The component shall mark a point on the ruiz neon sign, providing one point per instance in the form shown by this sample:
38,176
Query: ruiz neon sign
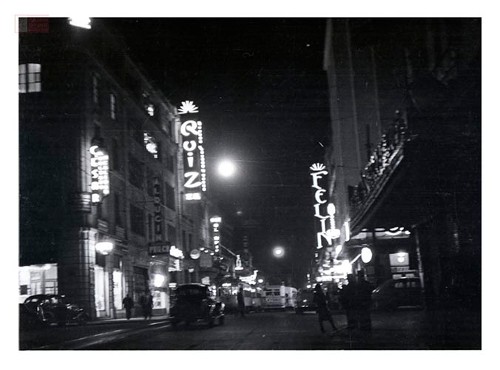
99,183
318,171
195,177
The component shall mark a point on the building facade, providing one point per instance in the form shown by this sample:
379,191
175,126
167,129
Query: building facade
404,161
102,211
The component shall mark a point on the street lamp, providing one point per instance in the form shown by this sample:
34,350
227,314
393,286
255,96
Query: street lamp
278,252
226,168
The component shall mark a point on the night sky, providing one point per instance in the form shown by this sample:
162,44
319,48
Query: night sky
262,94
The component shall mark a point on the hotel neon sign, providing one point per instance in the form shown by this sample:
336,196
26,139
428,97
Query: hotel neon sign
318,171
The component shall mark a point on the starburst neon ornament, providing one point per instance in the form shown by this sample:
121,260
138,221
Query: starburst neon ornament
317,167
188,107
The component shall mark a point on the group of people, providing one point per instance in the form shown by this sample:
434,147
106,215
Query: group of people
146,302
355,299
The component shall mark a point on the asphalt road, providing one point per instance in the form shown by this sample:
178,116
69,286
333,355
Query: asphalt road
256,331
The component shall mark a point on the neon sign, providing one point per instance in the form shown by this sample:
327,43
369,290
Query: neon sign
216,232
195,177
99,183
318,172
158,217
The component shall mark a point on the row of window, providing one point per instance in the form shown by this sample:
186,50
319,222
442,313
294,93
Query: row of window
30,81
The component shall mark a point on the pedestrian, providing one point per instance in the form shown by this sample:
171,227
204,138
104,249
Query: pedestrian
364,300
128,303
241,302
147,305
348,301
322,308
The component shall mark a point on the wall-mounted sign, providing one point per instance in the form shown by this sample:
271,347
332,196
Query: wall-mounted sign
176,252
195,177
99,171
158,217
195,254
159,248
216,232
331,233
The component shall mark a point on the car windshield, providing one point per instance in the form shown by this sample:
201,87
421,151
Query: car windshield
191,292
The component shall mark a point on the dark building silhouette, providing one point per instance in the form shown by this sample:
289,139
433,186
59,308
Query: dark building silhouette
405,155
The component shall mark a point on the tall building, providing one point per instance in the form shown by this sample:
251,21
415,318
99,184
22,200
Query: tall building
405,157
102,205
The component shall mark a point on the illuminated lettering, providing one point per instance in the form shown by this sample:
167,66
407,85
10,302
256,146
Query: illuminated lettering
326,234
99,172
191,178
190,128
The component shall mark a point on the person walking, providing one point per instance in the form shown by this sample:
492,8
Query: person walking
147,305
128,303
364,300
348,300
322,309
241,302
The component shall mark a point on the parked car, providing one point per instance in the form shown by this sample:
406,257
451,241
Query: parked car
193,303
51,309
396,293
305,301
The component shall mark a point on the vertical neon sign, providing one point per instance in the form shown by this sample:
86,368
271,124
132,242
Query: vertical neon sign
99,183
195,177
318,172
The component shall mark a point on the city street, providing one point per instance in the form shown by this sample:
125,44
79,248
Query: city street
256,331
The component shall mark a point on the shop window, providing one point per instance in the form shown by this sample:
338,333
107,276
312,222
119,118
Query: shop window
118,289
100,288
30,79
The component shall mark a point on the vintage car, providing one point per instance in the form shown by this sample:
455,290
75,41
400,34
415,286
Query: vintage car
305,301
193,303
397,293
52,309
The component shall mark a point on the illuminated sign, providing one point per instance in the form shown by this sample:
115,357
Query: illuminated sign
238,263
216,232
99,164
176,252
159,248
195,177
318,172
158,218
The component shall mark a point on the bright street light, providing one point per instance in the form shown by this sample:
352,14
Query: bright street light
278,252
226,168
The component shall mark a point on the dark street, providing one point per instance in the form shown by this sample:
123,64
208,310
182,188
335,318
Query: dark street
399,330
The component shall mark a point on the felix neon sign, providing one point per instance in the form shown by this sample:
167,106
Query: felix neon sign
195,177
318,172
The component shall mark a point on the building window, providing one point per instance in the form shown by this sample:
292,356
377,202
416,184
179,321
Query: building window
150,227
169,196
150,109
152,145
116,154
30,79
137,220
112,106
95,89
171,234
136,173
170,163
118,210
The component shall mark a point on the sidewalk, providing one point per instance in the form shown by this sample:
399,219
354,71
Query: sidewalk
107,320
